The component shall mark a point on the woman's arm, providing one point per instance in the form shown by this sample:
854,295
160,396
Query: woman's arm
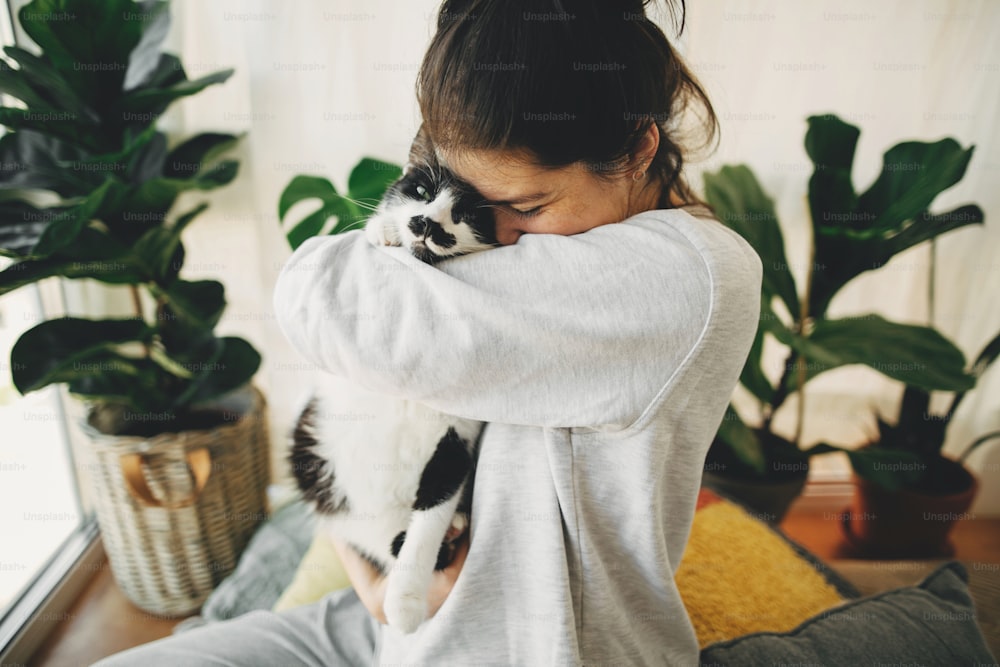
557,331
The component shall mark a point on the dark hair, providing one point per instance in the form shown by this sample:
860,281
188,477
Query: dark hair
566,80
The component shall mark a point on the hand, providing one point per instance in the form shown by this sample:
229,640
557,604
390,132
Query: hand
370,585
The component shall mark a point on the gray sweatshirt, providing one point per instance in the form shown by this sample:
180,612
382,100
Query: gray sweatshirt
603,362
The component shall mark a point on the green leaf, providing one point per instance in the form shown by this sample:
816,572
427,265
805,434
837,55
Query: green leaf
89,43
199,303
66,226
830,144
190,312
50,84
752,376
370,178
154,16
332,204
153,198
914,355
924,228
187,159
14,83
94,255
32,159
742,440
167,72
741,204
95,168
854,234
21,225
142,386
913,174
232,367
985,359
154,100
157,248
63,349
60,124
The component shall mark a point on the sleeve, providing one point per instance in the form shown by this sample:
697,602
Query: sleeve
553,331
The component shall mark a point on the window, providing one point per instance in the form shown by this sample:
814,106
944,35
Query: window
39,503
48,535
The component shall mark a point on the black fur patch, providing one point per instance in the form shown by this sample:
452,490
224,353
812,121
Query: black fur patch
397,543
313,474
444,473
446,554
423,226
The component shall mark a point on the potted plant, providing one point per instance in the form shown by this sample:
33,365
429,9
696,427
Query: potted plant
907,494
178,451
851,234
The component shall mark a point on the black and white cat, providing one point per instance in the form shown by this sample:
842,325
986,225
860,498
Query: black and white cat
391,477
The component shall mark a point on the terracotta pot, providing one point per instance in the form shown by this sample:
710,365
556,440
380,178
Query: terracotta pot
907,523
767,496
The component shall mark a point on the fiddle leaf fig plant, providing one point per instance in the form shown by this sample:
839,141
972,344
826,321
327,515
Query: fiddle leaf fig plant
87,190
851,234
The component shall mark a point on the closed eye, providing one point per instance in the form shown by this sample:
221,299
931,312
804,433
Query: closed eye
529,213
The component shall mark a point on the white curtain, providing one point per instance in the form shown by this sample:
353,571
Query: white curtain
319,84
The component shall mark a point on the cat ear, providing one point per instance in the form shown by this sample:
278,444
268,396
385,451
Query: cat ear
422,149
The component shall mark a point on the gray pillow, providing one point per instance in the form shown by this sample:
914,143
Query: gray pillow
932,623
266,567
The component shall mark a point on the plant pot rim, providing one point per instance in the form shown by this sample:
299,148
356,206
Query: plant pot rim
769,478
971,488
254,404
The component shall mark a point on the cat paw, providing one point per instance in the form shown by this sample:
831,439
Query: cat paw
405,612
375,232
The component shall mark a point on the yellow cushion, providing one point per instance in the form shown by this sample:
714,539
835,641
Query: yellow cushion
319,573
736,577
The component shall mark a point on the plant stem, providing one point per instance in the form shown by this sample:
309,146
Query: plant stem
781,392
801,331
137,302
930,286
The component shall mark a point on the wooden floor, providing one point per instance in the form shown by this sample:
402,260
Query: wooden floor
103,621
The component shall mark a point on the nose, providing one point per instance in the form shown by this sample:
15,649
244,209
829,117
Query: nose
420,226
507,232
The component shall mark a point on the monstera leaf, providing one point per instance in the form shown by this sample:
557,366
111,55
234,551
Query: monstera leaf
367,183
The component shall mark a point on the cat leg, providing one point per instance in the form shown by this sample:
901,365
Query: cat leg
440,492
410,576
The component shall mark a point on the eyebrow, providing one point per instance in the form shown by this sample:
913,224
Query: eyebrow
523,199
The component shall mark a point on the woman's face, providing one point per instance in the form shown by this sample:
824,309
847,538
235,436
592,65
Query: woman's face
530,199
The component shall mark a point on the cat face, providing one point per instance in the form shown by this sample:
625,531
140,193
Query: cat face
432,213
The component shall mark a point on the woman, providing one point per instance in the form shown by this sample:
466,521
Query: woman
601,355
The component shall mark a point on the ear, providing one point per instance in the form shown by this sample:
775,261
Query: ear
646,149
421,150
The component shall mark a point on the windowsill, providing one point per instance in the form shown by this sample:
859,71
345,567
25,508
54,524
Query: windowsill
43,604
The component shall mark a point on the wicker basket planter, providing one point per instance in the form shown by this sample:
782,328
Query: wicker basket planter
177,509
